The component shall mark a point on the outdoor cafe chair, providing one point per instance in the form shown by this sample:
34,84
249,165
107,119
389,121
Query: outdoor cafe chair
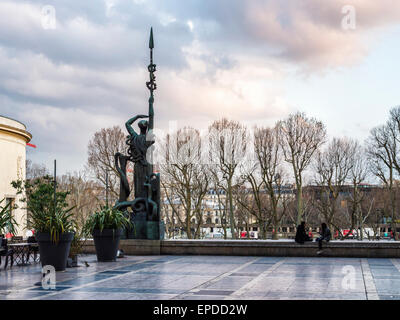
33,249
6,252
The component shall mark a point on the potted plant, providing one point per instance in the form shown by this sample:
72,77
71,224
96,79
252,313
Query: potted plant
77,245
7,221
106,226
52,221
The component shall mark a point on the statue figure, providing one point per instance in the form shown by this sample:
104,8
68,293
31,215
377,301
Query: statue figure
146,204
138,145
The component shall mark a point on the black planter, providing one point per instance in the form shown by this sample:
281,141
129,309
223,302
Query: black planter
54,254
106,243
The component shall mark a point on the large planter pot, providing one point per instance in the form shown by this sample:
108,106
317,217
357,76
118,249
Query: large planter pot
106,243
54,254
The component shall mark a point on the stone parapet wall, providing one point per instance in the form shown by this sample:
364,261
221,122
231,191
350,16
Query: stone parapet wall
286,248
133,247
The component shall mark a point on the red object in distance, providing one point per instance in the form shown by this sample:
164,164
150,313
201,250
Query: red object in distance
31,145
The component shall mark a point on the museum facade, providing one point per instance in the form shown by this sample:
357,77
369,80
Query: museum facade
13,140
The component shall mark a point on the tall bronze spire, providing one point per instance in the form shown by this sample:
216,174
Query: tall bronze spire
151,85
151,42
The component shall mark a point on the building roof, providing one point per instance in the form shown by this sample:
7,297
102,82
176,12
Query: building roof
13,126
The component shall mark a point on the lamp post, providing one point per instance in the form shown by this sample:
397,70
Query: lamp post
106,187
55,185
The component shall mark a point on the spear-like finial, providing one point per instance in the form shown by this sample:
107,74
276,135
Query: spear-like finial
151,42
151,85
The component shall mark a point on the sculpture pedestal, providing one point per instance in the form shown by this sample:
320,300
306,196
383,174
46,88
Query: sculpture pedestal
140,247
155,230
145,230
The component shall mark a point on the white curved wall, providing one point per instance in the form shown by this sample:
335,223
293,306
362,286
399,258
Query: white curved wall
13,139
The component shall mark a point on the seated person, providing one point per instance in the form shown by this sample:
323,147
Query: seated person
325,236
301,235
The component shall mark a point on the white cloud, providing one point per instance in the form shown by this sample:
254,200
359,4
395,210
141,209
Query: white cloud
214,58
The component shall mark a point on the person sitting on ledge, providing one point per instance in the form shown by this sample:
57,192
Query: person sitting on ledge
325,236
301,235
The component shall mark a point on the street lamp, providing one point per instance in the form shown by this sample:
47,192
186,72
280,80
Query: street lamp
106,187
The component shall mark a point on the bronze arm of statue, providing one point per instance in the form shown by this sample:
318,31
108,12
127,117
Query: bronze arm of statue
129,123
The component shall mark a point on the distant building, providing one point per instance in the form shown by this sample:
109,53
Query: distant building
215,216
13,140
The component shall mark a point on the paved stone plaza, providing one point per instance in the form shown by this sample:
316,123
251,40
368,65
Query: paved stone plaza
211,277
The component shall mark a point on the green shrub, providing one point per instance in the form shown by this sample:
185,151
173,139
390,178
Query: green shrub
106,218
44,214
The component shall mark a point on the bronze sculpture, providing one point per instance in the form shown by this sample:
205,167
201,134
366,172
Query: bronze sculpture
145,207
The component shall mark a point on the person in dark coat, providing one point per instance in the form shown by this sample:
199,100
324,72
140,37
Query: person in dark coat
301,235
325,236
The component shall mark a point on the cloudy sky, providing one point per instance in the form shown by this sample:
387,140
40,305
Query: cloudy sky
254,61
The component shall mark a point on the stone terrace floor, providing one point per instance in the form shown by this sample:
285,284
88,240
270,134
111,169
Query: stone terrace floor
209,278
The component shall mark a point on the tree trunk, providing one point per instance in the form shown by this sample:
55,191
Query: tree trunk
262,229
275,222
188,231
231,217
223,223
299,203
393,202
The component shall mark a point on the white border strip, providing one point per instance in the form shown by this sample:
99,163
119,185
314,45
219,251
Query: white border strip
396,263
370,288
237,295
224,275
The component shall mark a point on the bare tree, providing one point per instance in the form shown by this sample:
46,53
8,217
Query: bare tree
332,172
270,158
300,138
222,201
85,195
251,198
382,151
394,127
101,150
185,179
358,174
381,205
245,208
34,170
227,148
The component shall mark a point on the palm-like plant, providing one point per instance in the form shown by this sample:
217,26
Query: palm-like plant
106,218
54,223
7,221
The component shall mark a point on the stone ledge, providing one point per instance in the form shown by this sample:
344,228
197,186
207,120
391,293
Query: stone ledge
289,248
283,243
134,247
